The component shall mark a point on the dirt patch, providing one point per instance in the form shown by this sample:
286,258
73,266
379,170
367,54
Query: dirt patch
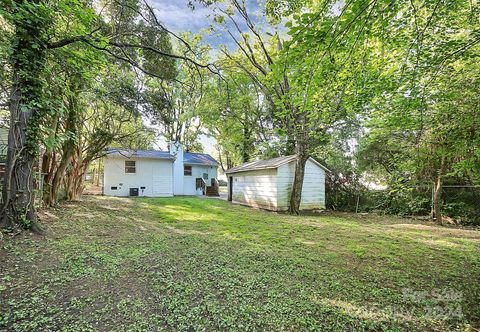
94,190
185,231
47,216
442,231
308,243
84,215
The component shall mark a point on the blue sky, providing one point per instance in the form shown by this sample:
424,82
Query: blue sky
178,16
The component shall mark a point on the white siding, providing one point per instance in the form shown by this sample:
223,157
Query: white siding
313,191
3,134
256,188
197,172
155,175
3,143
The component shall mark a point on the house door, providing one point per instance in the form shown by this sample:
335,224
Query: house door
230,188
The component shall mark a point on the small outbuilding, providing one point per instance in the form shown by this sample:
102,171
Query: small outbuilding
267,184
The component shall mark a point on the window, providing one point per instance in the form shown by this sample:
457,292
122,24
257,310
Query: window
113,188
205,176
187,170
130,166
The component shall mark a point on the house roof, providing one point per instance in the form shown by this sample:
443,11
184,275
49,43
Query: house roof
188,157
267,164
130,153
199,158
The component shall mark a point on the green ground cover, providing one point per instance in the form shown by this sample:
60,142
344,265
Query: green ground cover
113,264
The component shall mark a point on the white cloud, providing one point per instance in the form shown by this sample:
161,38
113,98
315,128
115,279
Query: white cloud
177,16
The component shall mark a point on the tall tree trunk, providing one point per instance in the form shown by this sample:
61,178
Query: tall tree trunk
97,181
49,161
229,160
18,190
296,194
437,213
247,145
27,65
74,183
68,149
94,175
221,160
74,180
52,198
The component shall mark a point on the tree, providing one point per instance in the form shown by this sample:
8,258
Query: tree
304,77
28,22
256,56
234,113
171,103
426,109
37,29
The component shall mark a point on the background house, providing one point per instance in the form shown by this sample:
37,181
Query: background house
267,184
3,150
159,173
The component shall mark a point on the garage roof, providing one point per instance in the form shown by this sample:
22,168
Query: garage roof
267,164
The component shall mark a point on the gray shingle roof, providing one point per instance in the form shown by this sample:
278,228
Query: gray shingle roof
267,164
199,158
129,153
261,164
188,158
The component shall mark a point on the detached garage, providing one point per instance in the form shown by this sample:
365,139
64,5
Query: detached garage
267,184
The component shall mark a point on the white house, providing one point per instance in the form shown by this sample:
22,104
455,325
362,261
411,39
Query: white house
159,173
267,184
3,150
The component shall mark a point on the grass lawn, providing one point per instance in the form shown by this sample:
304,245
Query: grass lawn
147,264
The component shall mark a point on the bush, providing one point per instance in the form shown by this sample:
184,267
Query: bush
463,206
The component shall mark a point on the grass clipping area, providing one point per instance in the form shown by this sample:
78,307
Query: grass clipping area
114,264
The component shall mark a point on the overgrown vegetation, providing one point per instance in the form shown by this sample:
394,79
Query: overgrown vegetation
186,263
380,91
73,79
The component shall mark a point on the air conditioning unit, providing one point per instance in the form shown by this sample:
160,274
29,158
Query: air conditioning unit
133,191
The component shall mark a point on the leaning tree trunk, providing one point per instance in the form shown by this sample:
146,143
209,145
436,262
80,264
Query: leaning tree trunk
74,184
27,60
50,197
74,180
49,162
437,213
296,195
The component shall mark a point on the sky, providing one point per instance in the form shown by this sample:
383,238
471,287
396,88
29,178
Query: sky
177,16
